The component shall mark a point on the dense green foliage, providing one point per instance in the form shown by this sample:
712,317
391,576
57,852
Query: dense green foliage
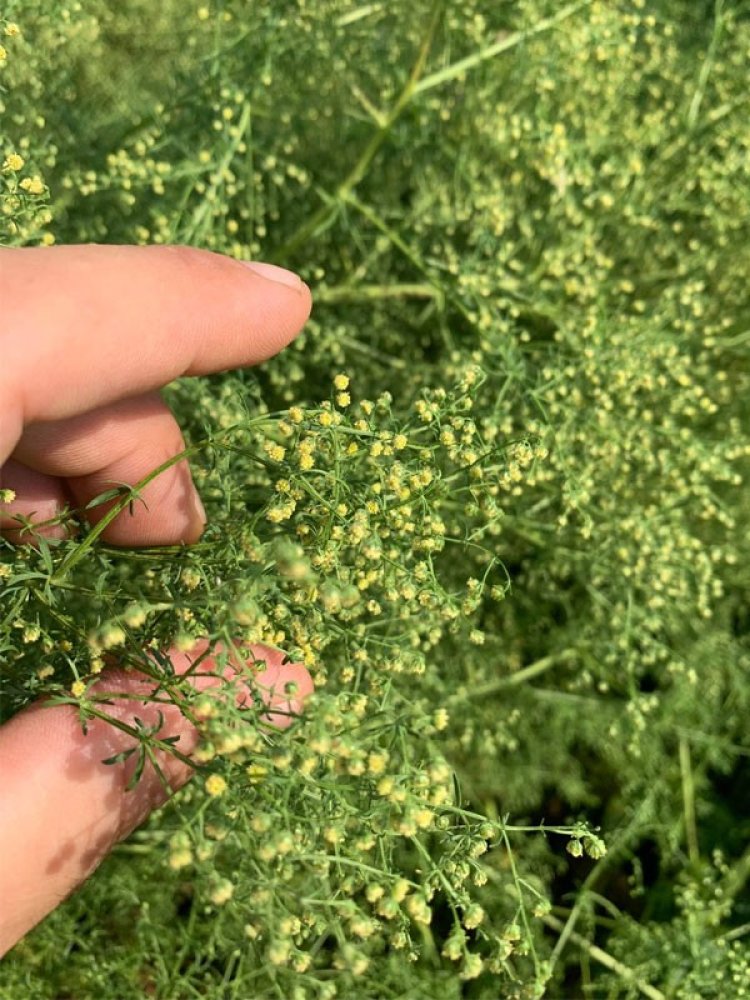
513,551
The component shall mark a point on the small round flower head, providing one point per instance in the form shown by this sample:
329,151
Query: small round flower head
215,785
400,890
472,967
13,162
32,185
222,892
275,452
180,858
574,848
473,916
441,719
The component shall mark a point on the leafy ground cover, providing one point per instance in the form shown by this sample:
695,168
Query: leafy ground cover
494,496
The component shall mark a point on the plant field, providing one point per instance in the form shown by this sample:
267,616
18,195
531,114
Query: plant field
494,496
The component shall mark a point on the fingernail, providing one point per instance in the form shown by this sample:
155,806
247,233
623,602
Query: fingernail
273,273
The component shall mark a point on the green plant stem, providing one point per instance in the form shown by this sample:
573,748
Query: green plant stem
463,66
626,835
603,958
707,66
522,907
74,557
125,728
416,84
688,799
202,213
520,677
738,876
327,211
386,359
374,293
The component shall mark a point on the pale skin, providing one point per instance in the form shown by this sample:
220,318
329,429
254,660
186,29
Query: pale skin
88,336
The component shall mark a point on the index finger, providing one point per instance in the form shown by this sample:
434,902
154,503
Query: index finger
83,326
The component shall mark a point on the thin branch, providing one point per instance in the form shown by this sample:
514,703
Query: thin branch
457,69
688,800
521,676
373,293
605,959
708,64
327,211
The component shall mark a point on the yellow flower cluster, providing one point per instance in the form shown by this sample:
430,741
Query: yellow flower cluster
14,162
215,785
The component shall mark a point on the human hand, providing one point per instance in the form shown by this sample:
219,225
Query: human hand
88,334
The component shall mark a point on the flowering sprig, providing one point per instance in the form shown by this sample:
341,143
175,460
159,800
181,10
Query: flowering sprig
492,496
